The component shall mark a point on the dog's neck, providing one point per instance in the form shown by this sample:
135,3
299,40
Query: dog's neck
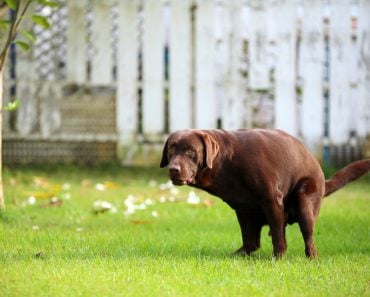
204,178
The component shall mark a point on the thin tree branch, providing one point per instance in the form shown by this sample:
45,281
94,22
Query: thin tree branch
8,40
21,16
12,31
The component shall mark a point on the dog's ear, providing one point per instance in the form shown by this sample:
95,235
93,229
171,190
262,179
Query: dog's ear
164,161
211,147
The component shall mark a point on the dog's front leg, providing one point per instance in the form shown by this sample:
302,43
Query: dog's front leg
250,226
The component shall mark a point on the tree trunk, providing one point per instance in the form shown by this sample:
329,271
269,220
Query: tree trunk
2,202
18,16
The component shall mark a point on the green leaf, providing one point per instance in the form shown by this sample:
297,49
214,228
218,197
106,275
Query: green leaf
12,106
4,25
29,35
52,4
23,45
41,21
5,22
12,4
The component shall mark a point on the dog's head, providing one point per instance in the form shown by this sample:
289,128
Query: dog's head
186,153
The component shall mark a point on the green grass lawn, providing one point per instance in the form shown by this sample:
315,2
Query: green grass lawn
53,242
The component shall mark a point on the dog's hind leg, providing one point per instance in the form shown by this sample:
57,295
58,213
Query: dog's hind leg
275,217
307,210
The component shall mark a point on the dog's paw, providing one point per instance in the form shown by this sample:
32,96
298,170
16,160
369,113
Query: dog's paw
241,252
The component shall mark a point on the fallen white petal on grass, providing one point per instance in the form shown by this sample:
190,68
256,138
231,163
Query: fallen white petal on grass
130,200
65,196
66,187
131,207
141,206
31,200
100,187
149,201
134,204
153,183
166,186
103,206
130,210
154,214
174,191
54,199
35,228
193,198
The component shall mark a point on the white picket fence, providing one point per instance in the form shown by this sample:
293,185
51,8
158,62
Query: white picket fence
285,43
302,66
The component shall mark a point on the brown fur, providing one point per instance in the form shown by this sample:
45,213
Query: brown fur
266,176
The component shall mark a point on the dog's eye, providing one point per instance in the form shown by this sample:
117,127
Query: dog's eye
190,153
171,150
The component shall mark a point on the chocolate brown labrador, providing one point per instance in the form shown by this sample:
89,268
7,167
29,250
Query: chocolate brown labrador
266,176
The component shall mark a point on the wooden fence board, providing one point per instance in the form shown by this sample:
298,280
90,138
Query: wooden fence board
312,73
285,94
363,106
101,37
180,103
221,59
234,108
205,102
127,70
258,46
153,67
27,114
340,47
76,42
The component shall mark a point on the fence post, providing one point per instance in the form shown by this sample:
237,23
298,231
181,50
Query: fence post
153,66
363,108
49,95
340,51
234,108
102,58
205,102
285,75
180,110
127,71
312,74
76,35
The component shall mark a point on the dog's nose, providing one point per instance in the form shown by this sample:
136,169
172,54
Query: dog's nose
174,169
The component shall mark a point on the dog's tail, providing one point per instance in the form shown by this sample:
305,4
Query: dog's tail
346,175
